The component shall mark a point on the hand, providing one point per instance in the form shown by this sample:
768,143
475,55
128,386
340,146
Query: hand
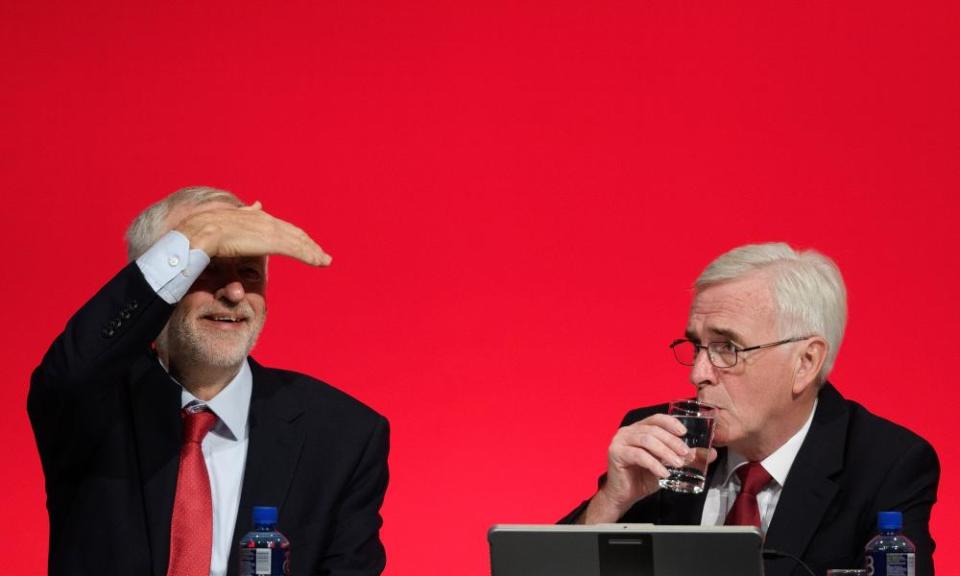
227,232
635,464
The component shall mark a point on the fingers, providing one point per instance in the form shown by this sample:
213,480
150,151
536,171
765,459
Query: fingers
651,444
666,422
651,451
711,455
249,231
667,430
292,241
639,456
645,460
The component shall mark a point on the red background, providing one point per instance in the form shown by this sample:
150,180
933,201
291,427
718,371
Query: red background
517,196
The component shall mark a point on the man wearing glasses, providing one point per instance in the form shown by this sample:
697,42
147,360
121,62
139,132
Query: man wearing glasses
762,335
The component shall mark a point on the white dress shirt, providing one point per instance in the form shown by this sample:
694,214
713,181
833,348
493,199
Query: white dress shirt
726,485
170,267
225,453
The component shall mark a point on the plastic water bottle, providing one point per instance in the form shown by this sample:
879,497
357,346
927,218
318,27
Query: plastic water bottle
264,551
890,553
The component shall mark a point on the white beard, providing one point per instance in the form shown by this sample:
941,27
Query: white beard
185,340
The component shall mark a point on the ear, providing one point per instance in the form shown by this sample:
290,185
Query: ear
809,362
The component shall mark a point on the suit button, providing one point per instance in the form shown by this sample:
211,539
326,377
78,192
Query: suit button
108,332
133,305
125,314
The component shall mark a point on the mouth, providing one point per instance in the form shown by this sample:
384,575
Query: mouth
225,321
710,403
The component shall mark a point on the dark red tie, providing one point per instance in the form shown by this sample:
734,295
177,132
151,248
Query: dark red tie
746,511
191,530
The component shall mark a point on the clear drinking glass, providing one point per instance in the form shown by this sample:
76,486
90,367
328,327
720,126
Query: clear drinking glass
699,419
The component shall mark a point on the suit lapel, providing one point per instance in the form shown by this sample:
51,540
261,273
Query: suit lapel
155,400
810,487
274,449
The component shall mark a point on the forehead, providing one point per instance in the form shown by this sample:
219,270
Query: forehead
220,262
742,308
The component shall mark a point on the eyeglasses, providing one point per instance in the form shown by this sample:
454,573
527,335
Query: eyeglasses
721,354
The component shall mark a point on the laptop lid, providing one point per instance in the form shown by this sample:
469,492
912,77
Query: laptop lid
625,550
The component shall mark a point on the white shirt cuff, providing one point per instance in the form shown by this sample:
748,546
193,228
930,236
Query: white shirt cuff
170,266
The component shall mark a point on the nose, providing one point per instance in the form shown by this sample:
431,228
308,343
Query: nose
703,373
233,292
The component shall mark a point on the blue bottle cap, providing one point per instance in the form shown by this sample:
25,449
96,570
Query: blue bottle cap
887,521
264,515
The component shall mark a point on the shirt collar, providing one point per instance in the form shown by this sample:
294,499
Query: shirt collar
231,405
779,462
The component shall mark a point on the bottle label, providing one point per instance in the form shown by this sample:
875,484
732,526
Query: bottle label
265,561
891,564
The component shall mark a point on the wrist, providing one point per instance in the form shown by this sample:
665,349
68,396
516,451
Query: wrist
602,509
204,238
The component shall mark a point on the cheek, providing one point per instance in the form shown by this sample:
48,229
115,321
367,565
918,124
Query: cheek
258,304
179,316
191,302
737,406
755,405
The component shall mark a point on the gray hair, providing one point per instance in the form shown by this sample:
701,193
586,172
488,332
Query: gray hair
152,223
808,290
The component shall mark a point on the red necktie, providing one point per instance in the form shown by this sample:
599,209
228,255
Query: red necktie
746,511
191,530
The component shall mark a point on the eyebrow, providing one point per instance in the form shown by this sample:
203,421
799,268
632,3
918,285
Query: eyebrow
727,333
223,260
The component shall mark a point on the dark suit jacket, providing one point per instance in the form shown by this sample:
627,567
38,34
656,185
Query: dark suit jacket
851,465
106,420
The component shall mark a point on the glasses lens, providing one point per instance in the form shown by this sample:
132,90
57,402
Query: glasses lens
685,352
723,354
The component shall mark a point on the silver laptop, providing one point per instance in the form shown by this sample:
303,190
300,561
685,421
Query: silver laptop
625,550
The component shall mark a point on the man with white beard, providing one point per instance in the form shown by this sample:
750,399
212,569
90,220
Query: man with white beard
159,433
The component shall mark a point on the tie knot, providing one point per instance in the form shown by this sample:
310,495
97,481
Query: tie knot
196,424
753,478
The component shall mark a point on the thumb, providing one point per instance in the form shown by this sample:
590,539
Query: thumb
711,455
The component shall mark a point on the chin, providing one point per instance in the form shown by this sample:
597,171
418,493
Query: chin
224,361
223,358
219,354
212,349
721,436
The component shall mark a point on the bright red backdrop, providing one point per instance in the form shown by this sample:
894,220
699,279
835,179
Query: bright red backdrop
517,196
